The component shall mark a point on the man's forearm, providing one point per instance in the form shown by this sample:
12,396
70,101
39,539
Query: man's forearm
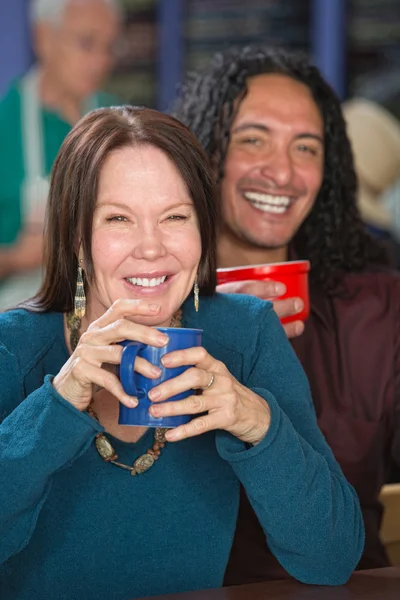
7,261
24,255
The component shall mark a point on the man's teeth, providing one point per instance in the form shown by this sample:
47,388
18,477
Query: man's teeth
268,203
145,282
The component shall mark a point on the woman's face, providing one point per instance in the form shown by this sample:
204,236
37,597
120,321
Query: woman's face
146,239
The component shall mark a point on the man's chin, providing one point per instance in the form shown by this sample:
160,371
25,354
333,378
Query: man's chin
266,242
85,92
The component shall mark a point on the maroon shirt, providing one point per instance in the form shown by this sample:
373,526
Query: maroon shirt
350,350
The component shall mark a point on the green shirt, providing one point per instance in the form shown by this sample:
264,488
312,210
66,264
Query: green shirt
11,152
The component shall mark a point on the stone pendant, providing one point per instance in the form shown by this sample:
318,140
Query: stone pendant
104,448
142,464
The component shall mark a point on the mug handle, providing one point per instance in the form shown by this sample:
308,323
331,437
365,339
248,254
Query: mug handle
127,365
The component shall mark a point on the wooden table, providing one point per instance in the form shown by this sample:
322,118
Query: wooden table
376,584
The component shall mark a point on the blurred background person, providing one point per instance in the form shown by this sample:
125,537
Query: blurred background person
375,139
391,201
74,44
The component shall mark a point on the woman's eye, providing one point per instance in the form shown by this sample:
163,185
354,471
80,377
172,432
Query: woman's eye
119,218
177,218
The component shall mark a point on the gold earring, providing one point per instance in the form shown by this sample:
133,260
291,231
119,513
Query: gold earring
80,298
196,294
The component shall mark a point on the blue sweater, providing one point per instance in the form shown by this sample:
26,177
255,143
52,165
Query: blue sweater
72,526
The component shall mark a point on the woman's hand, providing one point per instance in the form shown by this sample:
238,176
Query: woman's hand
228,404
84,372
270,290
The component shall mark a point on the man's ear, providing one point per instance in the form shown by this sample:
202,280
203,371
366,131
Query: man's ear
43,39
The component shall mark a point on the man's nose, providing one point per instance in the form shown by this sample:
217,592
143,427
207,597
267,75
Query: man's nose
278,167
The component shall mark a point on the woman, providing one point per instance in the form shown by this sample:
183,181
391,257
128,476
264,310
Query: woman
129,234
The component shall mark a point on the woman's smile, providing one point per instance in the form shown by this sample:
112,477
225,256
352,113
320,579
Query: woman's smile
149,284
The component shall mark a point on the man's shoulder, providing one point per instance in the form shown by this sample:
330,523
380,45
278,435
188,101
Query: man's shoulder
107,99
375,280
10,106
371,297
104,99
10,143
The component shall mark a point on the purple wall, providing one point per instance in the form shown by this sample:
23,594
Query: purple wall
15,46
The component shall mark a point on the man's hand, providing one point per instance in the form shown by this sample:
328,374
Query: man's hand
270,290
24,255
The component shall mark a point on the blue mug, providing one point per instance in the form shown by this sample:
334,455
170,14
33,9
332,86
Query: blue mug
137,385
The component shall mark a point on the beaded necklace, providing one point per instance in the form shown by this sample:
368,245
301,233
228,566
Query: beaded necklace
103,445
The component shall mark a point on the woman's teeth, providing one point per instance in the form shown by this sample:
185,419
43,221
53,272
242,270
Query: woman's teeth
268,203
145,282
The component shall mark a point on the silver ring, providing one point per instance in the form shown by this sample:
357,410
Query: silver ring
211,382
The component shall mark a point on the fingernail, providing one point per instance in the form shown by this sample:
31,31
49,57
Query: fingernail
156,371
167,361
132,401
154,307
155,410
162,339
154,394
170,435
279,288
298,304
299,328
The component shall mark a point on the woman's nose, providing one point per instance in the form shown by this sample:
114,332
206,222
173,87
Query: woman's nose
149,245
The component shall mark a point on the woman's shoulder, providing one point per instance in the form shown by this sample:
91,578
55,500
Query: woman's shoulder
232,306
235,319
27,333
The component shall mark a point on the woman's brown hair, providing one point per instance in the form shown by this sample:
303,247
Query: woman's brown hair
74,186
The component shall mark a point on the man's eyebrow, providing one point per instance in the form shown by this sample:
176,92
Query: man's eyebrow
313,136
250,125
266,129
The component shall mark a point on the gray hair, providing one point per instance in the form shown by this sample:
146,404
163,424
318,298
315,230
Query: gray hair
52,10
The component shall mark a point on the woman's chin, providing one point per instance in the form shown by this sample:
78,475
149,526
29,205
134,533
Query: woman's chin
163,319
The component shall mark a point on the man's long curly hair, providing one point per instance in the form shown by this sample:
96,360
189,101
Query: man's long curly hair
333,237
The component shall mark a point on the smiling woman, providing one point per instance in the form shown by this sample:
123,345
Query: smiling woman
129,234
147,245
141,185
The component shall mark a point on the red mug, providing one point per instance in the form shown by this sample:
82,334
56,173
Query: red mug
293,274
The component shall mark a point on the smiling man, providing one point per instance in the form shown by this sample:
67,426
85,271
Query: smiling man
274,131
273,170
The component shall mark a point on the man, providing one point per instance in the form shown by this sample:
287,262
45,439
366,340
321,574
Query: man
74,43
275,134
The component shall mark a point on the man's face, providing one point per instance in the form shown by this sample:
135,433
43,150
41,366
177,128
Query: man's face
79,51
274,163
